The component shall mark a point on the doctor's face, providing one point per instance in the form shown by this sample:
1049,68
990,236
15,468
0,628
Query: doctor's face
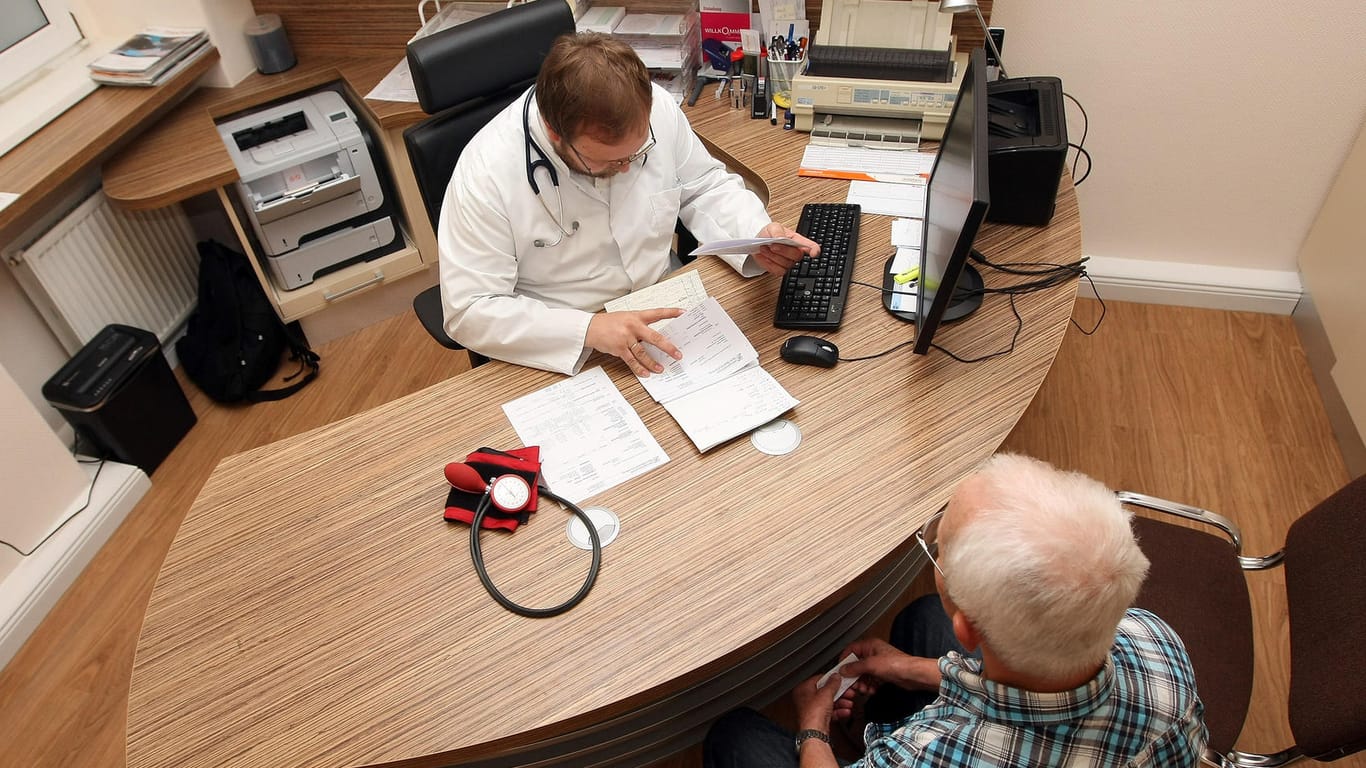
604,160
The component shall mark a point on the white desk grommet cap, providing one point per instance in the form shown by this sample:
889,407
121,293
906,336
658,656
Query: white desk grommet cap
777,437
606,522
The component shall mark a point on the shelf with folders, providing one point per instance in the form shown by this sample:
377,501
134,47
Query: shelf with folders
668,39
449,13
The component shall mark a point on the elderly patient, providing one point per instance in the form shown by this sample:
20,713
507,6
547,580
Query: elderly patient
1030,654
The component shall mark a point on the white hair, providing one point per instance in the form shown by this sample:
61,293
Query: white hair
1044,563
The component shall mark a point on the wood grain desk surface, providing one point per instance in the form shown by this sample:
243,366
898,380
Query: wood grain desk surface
315,609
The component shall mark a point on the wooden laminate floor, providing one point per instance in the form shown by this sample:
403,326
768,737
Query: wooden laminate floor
1212,408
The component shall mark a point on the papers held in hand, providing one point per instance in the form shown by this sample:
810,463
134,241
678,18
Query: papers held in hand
747,245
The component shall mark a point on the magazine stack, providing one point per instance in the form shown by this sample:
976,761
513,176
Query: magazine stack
150,56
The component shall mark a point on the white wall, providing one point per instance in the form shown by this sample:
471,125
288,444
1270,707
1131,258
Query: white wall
1217,127
1332,263
223,19
29,352
30,450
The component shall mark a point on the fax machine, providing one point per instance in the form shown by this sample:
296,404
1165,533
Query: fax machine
881,73
310,187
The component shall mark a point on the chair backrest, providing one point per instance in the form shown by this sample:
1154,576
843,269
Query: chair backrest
1325,585
468,73
1197,587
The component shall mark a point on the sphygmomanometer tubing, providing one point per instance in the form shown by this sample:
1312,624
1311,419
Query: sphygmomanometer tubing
477,555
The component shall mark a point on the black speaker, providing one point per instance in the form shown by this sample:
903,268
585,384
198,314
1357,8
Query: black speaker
1026,148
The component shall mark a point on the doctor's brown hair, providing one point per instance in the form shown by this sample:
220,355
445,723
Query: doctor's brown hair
593,85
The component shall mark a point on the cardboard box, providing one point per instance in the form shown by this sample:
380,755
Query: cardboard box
722,21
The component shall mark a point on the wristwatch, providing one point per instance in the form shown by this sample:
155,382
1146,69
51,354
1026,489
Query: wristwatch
810,733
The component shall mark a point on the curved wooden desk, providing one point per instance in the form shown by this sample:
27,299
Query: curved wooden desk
315,610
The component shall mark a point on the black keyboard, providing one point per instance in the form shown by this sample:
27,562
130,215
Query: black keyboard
813,292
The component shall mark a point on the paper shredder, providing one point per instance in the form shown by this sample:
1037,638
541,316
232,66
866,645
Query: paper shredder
120,396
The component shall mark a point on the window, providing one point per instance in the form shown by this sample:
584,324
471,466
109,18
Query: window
34,33
42,66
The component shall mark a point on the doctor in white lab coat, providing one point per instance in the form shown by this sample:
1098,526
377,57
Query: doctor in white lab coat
525,272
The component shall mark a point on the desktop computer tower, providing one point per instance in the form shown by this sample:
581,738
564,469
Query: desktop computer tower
1026,149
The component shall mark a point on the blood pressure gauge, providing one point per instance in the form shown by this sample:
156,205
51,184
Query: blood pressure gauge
510,493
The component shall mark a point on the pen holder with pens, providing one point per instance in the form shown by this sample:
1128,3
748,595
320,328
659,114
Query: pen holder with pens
780,74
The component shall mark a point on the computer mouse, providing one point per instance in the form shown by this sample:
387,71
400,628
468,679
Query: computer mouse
810,350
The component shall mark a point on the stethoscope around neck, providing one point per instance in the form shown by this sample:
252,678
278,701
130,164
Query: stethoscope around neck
543,163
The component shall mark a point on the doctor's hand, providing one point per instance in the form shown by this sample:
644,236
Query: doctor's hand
775,259
625,335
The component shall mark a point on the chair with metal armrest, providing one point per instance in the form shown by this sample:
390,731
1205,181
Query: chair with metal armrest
464,76
1197,585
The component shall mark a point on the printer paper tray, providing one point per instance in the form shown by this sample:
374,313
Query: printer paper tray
872,132
291,204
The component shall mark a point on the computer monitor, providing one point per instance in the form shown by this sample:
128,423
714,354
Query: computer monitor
956,200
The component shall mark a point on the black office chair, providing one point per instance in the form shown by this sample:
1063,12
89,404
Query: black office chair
464,76
1196,584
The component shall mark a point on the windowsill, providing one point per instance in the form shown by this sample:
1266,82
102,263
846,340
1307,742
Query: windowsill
46,165
58,86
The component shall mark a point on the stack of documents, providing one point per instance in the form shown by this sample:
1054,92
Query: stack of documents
600,18
651,28
150,56
866,164
670,44
591,439
718,390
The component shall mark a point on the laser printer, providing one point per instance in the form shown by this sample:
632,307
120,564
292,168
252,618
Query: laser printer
311,187
880,73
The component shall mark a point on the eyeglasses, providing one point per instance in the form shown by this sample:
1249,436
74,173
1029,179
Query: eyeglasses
617,165
928,538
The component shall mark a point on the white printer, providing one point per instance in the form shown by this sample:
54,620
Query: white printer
881,73
310,186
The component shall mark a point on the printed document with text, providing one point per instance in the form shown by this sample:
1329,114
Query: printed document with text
718,390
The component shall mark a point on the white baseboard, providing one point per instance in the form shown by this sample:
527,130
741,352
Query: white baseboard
1195,285
33,586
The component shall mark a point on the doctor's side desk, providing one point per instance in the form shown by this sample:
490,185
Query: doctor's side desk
315,610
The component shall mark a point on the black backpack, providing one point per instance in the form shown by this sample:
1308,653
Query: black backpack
234,340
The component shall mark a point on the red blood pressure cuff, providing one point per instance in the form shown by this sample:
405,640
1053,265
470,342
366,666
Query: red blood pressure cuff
523,462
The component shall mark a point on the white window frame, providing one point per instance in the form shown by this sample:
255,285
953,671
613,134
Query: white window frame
29,55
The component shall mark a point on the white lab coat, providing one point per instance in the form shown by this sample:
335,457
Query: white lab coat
509,298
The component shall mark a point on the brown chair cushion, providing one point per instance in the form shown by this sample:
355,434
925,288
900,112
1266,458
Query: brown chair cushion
1197,587
1325,574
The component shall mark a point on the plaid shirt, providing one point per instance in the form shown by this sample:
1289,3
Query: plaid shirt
1140,710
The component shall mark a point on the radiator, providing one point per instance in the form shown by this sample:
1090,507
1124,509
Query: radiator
100,265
